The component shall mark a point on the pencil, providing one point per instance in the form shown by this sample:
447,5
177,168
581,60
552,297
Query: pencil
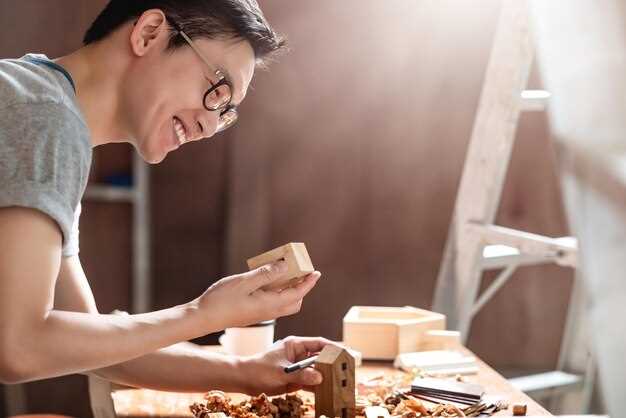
300,365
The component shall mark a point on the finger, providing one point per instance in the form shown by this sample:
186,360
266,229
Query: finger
308,345
293,387
290,351
264,275
304,347
299,290
307,378
300,350
290,309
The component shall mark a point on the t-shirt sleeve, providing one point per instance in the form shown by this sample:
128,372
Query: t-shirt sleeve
43,166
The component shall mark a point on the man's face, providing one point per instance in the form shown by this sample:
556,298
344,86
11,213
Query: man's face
163,87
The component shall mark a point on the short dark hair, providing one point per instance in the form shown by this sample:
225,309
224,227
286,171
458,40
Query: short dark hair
213,19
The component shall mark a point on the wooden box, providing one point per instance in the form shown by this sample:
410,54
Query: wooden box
381,333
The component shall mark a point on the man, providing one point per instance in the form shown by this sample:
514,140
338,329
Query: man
157,74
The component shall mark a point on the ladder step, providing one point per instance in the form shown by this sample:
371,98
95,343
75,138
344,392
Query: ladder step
535,100
545,381
504,249
501,256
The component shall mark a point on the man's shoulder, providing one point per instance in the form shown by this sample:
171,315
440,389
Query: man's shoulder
35,105
25,82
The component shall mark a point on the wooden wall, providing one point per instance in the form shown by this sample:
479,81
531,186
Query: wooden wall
353,143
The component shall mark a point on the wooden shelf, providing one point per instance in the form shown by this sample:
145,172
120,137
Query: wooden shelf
107,193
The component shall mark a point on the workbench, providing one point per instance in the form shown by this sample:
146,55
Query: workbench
136,403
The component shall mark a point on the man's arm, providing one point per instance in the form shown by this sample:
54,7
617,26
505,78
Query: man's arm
38,341
186,367
183,367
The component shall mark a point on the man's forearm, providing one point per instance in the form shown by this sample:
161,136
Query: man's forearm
183,367
71,342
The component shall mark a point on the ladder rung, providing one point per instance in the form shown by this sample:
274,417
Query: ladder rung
498,256
501,256
541,249
535,100
545,381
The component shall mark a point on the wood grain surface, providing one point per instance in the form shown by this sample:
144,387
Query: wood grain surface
138,403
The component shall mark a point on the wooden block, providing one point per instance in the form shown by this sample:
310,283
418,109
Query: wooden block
297,259
440,340
335,396
441,362
381,333
376,412
450,387
519,410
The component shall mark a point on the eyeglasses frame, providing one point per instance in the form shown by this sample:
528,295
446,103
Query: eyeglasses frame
222,79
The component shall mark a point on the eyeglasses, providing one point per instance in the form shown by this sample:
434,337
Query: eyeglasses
219,96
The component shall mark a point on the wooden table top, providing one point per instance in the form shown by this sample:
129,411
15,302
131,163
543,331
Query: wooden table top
136,403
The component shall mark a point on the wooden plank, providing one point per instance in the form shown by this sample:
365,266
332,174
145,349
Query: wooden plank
440,340
486,164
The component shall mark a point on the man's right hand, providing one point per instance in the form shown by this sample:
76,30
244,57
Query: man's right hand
239,300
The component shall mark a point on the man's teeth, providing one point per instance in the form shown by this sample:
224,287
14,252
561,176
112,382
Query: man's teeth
180,131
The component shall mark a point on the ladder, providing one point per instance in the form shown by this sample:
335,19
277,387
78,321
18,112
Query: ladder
474,243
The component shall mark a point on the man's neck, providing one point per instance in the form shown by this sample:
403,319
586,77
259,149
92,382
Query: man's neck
98,91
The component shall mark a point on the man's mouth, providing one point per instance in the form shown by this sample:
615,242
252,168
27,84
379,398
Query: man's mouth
181,132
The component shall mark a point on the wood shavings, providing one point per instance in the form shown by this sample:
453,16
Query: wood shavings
447,411
289,406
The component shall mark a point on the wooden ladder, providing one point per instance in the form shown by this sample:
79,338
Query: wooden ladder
474,243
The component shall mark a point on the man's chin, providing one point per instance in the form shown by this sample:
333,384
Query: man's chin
153,158
156,159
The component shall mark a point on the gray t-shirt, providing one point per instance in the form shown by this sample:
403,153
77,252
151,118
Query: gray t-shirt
45,149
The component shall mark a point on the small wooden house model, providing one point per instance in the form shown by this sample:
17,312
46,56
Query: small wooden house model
335,396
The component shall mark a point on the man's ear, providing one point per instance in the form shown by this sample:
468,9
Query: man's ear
150,26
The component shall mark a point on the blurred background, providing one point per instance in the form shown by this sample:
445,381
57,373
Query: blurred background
353,143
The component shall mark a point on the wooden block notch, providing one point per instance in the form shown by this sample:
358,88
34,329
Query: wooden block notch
294,254
335,396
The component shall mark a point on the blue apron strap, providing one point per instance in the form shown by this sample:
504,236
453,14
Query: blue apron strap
54,66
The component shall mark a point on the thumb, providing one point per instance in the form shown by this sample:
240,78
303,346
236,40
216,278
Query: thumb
265,275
